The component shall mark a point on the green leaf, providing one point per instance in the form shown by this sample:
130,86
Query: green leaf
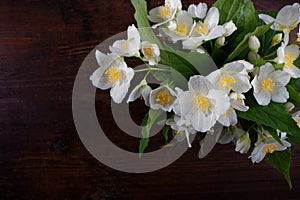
294,95
281,160
273,115
147,124
242,13
242,47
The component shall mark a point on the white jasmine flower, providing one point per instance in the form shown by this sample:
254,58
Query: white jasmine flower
164,14
229,28
184,27
182,128
162,98
206,30
243,143
270,85
296,117
198,11
231,77
151,52
112,73
142,90
129,47
237,101
286,20
253,43
267,144
204,103
287,55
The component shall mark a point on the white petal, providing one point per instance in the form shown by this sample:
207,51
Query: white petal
265,71
153,15
288,16
201,10
294,71
203,122
184,103
268,20
192,10
212,17
215,32
199,85
263,98
98,81
233,67
221,100
118,92
282,78
135,93
229,118
242,83
100,57
280,95
256,85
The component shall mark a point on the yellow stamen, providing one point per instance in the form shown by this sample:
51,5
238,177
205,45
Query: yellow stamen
182,28
298,122
202,28
239,100
164,11
113,74
227,82
125,45
268,85
229,111
178,132
289,60
270,148
163,97
148,51
202,103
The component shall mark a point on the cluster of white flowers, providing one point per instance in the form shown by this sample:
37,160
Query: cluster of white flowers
213,98
193,27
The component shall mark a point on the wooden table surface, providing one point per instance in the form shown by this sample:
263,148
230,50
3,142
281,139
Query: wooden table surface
42,45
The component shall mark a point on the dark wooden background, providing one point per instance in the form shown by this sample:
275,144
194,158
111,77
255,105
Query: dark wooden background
42,45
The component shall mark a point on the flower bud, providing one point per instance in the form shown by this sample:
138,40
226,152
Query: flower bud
254,43
253,56
243,144
229,28
220,41
276,39
289,106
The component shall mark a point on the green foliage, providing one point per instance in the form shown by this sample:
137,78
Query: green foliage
281,160
269,116
242,48
242,13
147,124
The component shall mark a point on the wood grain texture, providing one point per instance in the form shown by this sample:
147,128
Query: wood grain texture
42,45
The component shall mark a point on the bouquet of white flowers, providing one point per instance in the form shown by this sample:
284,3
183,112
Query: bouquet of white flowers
241,67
